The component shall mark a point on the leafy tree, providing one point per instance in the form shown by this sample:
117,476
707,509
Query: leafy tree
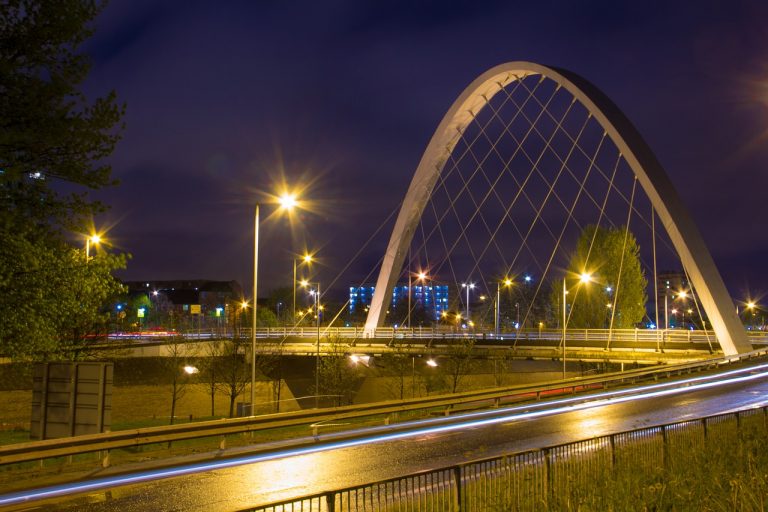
53,146
398,315
617,280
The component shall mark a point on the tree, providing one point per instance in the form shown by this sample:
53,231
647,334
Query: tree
338,374
420,316
53,148
231,369
399,364
180,372
458,362
611,256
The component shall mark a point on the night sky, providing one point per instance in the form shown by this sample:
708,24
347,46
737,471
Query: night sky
226,99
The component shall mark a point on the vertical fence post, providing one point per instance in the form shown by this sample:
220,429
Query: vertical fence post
548,491
704,424
665,451
330,501
457,494
613,451
765,417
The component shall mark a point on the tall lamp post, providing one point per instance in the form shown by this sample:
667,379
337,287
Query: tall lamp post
507,282
286,202
93,239
307,258
468,286
583,278
316,294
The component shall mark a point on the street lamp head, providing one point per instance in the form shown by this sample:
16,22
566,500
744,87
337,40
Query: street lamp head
244,304
95,239
307,258
431,362
304,283
682,294
528,279
585,277
508,281
287,201
751,305
422,276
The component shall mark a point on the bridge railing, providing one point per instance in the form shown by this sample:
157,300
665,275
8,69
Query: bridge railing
553,477
381,411
660,336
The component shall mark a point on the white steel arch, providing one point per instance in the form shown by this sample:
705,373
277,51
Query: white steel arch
674,216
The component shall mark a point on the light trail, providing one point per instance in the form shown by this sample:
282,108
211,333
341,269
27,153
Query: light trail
470,420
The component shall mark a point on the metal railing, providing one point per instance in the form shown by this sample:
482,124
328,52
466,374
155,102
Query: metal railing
445,332
384,412
547,478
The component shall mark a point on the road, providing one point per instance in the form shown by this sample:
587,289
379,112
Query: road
235,488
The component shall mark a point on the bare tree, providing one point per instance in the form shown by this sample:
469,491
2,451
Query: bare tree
399,363
338,374
232,370
458,362
178,354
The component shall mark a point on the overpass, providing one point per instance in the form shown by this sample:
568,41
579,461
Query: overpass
644,346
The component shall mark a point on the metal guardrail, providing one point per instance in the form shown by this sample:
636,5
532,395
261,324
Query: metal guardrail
417,333
550,478
50,448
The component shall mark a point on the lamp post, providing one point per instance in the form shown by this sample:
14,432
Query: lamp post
316,293
93,239
420,278
583,278
468,286
307,258
287,202
507,282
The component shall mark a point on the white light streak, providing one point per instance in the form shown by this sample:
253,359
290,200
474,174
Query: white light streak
471,420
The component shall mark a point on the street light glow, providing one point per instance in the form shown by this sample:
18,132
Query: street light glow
307,258
432,363
422,276
95,239
751,305
585,277
287,201
682,294
508,281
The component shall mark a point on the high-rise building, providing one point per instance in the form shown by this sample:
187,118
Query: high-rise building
433,298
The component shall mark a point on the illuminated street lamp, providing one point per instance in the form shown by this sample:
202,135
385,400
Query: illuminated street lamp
468,286
307,258
287,202
316,294
507,283
93,239
420,277
584,278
